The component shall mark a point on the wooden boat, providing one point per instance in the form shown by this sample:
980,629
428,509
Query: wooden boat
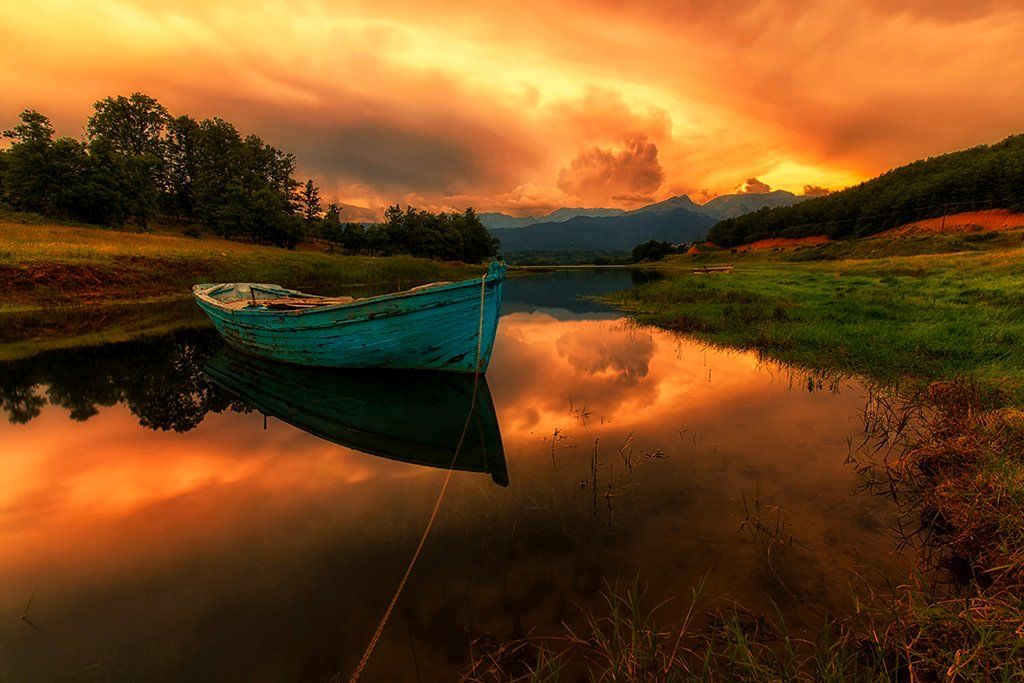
415,416
440,326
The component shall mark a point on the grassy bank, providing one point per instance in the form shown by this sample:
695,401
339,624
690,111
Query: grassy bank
45,265
923,317
938,326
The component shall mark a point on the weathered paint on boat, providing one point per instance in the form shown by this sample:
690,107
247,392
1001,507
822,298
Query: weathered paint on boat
415,416
431,328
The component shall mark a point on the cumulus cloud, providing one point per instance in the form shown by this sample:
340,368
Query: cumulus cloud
755,186
631,174
816,191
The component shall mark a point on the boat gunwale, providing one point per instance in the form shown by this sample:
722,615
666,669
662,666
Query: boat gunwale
488,276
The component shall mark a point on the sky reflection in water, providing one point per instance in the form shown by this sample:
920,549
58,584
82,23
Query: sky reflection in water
232,552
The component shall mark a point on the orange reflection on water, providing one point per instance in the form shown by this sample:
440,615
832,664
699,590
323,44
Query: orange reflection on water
631,377
98,517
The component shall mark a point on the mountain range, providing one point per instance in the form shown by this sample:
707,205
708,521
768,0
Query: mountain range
500,221
677,219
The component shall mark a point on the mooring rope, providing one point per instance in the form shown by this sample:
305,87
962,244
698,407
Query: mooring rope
437,504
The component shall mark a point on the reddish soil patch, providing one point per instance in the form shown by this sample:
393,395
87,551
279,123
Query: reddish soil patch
969,221
783,242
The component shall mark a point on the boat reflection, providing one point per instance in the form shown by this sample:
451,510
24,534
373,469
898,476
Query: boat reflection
413,416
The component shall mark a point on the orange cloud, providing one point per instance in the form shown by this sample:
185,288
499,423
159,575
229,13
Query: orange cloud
755,186
630,175
815,191
471,101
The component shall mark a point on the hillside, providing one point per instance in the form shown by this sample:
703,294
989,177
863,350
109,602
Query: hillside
614,233
983,177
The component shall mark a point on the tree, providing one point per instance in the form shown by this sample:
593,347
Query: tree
28,171
310,201
180,167
133,126
652,250
129,132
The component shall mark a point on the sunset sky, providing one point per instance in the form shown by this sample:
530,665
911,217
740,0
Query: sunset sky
524,107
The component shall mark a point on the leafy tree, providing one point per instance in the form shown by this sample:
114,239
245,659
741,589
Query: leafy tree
652,250
333,214
129,132
445,236
310,201
133,126
181,165
28,164
138,162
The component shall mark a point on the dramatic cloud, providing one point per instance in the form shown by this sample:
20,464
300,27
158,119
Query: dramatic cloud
504,106
628,176
534,199
755,186
815,191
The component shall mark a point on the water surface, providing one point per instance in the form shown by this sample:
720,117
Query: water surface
154,524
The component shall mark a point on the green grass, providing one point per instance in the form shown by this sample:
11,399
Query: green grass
940,322
43,265
929,316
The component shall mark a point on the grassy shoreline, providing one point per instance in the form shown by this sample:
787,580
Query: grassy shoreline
921,317
44,265
937,329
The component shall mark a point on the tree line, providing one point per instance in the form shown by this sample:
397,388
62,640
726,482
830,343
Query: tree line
440,236
983,177
138,163
655,250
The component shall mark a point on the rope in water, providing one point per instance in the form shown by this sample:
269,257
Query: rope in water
437,504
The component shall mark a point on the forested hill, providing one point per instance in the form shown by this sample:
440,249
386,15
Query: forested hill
984,177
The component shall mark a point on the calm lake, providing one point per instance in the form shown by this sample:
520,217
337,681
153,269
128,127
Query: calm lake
170,511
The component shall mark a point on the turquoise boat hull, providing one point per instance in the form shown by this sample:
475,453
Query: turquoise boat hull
436,327
413,416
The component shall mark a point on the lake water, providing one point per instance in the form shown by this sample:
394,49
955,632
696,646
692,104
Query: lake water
156,525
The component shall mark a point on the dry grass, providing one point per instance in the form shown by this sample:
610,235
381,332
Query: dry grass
46,265
953,459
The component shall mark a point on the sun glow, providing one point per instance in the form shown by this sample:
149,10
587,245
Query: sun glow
503,100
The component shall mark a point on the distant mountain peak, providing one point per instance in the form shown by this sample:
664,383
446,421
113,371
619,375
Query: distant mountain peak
732,205
681,201
500,221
